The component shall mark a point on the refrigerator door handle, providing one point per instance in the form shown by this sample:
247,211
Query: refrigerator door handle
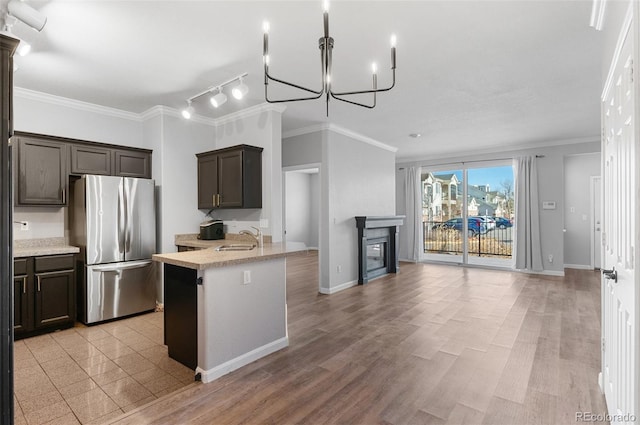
128,222
128,266
121,220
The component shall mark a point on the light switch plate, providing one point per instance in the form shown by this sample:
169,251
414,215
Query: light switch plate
548,205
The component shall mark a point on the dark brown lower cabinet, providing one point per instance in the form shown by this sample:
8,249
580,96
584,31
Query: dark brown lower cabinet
181,314
45,294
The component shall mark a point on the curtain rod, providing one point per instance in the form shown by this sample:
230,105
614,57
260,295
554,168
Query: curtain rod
470,162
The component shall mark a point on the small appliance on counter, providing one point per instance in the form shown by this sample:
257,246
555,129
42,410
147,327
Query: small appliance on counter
211,230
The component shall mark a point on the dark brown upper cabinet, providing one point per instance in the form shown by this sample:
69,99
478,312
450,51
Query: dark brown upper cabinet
86,159
43,165
41,172
130,163
230,178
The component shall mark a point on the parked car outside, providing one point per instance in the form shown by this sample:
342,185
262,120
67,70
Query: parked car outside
489,222
474,225
503,223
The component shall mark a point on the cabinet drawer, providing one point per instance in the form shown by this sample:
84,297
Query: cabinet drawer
52,263
20,266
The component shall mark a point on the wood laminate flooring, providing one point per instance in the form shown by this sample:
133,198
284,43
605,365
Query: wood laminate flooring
434,344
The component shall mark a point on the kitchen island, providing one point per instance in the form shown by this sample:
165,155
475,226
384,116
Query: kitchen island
225,309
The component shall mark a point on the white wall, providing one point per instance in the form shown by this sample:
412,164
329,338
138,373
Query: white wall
298,206
578,170
551,188
257,126
314,195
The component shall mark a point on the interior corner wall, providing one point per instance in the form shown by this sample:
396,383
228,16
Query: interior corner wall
263,129
360,182
314,219
180,140
578,170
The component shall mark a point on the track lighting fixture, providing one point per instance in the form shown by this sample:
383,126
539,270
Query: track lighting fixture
219,98
326,44
240,90
188,111
27,14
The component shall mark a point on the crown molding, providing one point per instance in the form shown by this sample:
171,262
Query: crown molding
340,130
498,149
75,104
247,112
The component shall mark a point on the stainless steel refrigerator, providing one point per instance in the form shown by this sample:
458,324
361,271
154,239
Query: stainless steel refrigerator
114,224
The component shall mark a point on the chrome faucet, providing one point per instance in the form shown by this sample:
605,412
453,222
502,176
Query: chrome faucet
257,236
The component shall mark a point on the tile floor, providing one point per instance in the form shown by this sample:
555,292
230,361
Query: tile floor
88,375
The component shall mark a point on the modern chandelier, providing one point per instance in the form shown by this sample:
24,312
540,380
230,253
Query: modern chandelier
326,47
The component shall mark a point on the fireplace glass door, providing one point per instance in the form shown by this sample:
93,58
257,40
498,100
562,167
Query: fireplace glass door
376,256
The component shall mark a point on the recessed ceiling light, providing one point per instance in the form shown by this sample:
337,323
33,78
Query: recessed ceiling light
415,135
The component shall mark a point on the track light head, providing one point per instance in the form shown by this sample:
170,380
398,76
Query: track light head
24,48
27,14
218,99
240,90
187,112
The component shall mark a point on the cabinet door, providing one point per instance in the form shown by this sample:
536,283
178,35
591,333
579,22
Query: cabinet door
54,298
230,179
42,172
132,164
207,181
21,322
90,160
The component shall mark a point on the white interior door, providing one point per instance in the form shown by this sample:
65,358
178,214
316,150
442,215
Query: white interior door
596,222
620,333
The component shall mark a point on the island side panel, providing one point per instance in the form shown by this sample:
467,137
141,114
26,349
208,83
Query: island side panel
241,322
181,314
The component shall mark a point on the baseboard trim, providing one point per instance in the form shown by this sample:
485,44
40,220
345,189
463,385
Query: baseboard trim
333,290
578,266
243,360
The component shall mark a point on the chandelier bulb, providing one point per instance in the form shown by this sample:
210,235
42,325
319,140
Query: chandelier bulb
393,40
374,68
265,27
325,6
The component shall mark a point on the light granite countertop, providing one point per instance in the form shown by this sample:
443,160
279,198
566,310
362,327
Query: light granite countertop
44,246
209,257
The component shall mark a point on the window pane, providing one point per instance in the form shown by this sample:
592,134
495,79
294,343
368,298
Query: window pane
490,200
441,212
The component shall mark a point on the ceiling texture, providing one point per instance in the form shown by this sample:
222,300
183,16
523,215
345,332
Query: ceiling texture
471,75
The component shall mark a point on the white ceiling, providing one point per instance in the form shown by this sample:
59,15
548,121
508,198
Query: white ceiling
471,75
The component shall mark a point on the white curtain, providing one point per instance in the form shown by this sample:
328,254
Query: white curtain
413,211
528,252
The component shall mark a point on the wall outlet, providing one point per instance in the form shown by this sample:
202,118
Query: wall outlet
24,225
246,277
551,258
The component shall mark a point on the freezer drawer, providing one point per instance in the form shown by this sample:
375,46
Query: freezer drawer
119,289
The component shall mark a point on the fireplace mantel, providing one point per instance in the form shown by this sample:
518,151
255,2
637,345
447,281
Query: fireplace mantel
383,232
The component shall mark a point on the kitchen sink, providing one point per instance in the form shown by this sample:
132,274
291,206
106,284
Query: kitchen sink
235,247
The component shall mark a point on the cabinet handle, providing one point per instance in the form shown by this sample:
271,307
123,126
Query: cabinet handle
219,199
213,200
38,276
64,196
24,285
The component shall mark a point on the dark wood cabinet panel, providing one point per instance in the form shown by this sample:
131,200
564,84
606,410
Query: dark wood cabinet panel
230,178
20,297
181,314
54,298
44,294
86,159
207,181
42,173
129,163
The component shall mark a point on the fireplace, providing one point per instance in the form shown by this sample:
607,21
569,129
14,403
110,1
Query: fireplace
377,246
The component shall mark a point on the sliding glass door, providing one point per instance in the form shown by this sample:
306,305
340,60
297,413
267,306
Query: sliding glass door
468,214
